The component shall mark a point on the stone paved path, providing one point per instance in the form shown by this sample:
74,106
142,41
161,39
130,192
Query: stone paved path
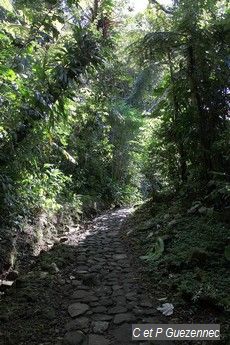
106,293
85,291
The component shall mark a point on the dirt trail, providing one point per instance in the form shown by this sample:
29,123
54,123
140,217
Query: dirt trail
92,300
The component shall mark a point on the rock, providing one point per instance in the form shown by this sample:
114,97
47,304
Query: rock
118,293
146,303
77,309
81,323
84,296
100,309
106,302
117,310
98,340
138,311
131,296
76,282
119,256
80,294
83,287
74,338
102,317
132,305
89,279
99,327
116,287
121,318
123,333
83,268
120,300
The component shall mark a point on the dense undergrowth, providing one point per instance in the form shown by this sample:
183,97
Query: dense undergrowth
184,257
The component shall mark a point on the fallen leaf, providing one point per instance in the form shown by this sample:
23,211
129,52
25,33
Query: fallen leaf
166,309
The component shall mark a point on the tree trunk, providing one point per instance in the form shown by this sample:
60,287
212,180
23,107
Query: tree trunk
179,142
95,10
204,141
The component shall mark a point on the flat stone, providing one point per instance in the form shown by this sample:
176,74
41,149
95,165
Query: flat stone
103,290
99,309
99,327
116,287
94,304
83,268
121,318
119,256
106,301
113,234
132,305
98,340
74,338
89,278
80,294
120,300
81,323
146,304
102,317
123,333
131,296
138,311
117,310
77,309
118,293
84,296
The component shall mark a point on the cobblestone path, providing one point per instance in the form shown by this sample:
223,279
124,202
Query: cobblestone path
107,297
84,291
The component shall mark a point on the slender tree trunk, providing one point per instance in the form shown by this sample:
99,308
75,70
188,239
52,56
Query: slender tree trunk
204,137
179,142
95,10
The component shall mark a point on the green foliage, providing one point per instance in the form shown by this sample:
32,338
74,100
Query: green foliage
189,51
156,251
65,129
191,264
40,191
